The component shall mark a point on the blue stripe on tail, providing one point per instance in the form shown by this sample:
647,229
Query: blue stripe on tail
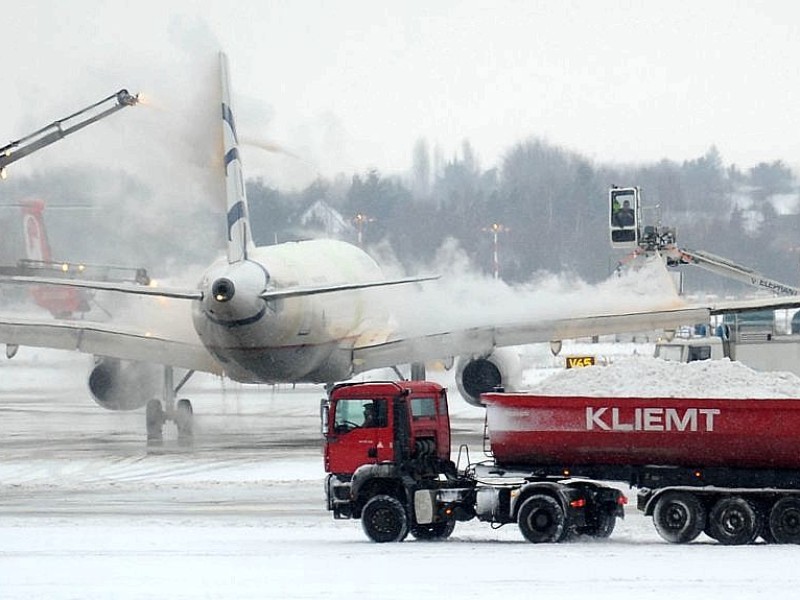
234,214
227,116
231,155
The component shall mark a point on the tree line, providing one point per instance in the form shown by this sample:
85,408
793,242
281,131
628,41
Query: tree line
551,206
549,203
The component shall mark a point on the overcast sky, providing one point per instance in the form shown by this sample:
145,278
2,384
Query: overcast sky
349,85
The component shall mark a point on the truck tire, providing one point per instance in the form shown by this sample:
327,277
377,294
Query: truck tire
541,519
733,521
603,528
384,519
679,517
784,521
434,531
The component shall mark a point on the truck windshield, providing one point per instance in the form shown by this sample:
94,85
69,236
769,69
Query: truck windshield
699,353
423,407
360,412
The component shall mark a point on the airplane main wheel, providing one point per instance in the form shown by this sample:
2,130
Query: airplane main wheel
418,371
184,419
154,418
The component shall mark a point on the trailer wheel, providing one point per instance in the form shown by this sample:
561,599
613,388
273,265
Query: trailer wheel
679,517
733,521
434,531
784,521
541,519
384,519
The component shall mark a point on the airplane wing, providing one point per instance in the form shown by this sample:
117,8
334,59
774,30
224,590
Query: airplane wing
185,349
105,339
107,286
481,341
186,294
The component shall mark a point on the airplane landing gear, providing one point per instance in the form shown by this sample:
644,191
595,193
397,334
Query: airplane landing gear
184,419
418,371
180,412
155,418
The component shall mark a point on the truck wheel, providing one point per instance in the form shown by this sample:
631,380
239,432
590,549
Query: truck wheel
384,519
733,521
603,528
434,531
784,521
679,517
541,519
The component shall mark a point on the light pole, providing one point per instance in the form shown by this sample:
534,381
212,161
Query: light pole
360,219
496,229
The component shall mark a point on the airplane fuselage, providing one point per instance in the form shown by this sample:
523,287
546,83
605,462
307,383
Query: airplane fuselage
306,338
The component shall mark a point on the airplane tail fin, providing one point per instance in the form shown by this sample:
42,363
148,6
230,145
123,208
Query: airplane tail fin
36,245
239,237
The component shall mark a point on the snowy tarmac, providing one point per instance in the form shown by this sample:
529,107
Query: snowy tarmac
86,511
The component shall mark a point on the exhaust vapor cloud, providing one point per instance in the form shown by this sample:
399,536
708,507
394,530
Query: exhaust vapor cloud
464,298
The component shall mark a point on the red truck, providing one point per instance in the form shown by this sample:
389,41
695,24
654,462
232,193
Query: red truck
726,467
387,453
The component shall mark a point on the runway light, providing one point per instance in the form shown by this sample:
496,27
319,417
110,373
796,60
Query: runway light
65,267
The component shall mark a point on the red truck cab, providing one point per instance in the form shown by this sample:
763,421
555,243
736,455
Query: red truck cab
382,422
387,454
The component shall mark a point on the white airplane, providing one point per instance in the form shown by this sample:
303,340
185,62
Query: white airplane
295,312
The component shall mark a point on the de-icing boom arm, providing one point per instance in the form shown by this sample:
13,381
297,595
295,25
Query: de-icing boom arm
56,130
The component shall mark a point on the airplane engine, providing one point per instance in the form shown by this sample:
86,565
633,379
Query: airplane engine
476,375
123,384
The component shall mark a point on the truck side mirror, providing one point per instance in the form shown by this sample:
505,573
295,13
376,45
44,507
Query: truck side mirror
324,409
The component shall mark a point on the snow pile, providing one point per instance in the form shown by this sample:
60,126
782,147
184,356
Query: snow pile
655,378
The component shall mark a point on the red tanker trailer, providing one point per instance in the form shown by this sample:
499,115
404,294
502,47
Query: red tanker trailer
685,432
726,467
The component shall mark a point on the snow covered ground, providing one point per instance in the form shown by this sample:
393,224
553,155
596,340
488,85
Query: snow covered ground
87,512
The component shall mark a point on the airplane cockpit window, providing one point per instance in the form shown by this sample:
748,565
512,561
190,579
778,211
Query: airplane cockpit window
360,413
